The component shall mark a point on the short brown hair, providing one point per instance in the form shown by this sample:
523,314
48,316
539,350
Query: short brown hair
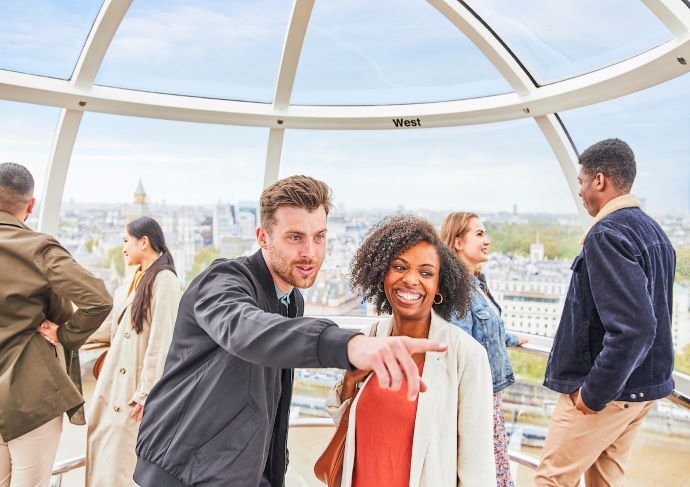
297,191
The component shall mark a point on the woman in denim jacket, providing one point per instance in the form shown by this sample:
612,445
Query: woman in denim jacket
465,234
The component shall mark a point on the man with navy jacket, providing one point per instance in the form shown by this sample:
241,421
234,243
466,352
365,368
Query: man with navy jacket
612,356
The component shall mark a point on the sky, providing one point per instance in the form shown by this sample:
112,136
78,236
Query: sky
354,53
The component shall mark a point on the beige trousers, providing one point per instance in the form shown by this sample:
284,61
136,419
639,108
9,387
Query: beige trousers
27,461
596,445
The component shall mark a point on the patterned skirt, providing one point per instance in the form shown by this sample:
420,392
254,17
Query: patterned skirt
503,478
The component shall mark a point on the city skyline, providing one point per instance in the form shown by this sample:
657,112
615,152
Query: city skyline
232,50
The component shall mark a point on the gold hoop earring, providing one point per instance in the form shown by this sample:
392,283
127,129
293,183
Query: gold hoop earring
440,300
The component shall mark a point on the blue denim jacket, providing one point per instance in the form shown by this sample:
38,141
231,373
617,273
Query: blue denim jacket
614,338
488,328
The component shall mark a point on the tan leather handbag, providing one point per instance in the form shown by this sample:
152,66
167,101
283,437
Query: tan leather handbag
101,359
99,364
329,467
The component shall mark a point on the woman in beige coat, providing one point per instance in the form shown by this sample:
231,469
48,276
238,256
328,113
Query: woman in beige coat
139,330
445,439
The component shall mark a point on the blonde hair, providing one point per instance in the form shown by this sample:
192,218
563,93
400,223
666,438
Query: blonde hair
456,225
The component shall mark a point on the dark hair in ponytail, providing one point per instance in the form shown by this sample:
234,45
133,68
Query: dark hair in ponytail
148,227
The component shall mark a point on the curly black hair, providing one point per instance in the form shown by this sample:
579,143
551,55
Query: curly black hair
613,158
387,240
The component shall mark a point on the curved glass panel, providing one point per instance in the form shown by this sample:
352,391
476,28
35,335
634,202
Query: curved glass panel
559,40
212,49
26,137
201,182
655,123
388,52
44,37
504,171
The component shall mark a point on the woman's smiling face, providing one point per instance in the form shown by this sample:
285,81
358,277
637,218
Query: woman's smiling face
412,281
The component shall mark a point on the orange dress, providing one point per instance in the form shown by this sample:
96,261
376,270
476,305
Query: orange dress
384,429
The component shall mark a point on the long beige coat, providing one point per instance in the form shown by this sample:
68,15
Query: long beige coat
133,365
453,434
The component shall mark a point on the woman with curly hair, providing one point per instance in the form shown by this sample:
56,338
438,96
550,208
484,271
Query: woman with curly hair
465,235
442,438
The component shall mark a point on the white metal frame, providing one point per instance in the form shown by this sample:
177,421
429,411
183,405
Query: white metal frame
292,49
108,20
522,83
643,71
542,103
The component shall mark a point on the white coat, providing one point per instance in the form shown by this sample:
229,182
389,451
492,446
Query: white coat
134,363
453,433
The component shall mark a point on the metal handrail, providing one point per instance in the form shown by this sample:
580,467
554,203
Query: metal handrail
541,346
68,465
537,345
516,456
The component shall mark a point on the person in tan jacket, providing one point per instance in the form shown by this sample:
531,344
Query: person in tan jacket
139,331
39,335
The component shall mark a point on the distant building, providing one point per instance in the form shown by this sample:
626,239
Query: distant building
140,205
182,239
530,293
231,246
252,208
536,251
224,221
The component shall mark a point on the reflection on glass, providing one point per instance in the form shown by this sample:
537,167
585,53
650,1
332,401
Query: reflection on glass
387,52
200,181
44,37
26,136
205,48
558,40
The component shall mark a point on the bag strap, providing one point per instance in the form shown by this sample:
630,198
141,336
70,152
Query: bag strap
121,315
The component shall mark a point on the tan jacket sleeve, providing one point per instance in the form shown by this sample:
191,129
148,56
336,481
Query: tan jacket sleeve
476,463
71,281
164,304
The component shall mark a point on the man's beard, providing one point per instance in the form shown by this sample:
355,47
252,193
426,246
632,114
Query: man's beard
287,272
